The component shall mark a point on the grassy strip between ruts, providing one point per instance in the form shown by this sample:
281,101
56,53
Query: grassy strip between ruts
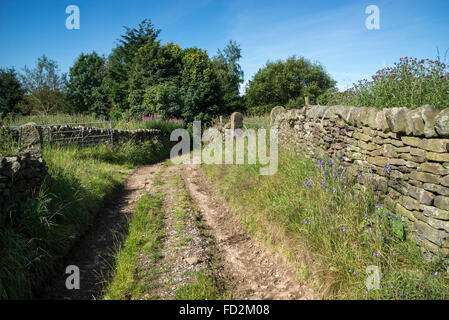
205,284
146,230
38,233
146,234
329,229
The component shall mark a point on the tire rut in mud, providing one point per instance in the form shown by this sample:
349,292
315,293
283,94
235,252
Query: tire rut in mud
93,254
253,271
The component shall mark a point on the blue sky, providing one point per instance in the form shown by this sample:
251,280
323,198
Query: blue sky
332,32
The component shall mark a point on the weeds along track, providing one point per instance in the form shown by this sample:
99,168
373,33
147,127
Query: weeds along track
166,235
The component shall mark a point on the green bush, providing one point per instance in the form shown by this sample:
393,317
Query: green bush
259,110
286,83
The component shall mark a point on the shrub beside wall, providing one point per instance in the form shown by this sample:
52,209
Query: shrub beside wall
403,152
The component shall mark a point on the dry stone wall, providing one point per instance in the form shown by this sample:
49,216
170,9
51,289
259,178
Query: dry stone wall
21,175
412,145
33,135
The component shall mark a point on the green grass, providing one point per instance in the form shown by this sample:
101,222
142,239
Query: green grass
327,235
203,287
146,230
38,233
17,120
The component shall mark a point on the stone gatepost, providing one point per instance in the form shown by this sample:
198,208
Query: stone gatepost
236,121
30,137
275,112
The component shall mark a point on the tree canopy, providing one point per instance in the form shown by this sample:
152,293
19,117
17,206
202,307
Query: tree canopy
142,76
230,75
44,88
286,83
86,87
11,92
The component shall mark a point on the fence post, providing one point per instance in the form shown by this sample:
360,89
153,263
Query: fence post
20,137
306,100
82,137
110,132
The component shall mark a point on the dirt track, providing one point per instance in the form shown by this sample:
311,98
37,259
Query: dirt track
254,272
250,270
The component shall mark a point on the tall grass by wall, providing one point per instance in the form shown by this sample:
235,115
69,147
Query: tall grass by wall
330,229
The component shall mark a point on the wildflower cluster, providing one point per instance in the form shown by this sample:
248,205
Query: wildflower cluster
333,177
409,83
384,223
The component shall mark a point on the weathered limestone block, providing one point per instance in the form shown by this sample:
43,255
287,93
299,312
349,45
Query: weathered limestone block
416,183
397,162
435,145
442,202
423,196
421,121
440,157
434,212
441,226
404,212
345,113
435,168
395,142
371,121
425,177
417,152
378,161
445,181
431,251
411,141
355,117
409,203
409,157
442,122
330,113
430,233
389,151
362,136
411,164
396,119
315,112
435,188
381,123
403,149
